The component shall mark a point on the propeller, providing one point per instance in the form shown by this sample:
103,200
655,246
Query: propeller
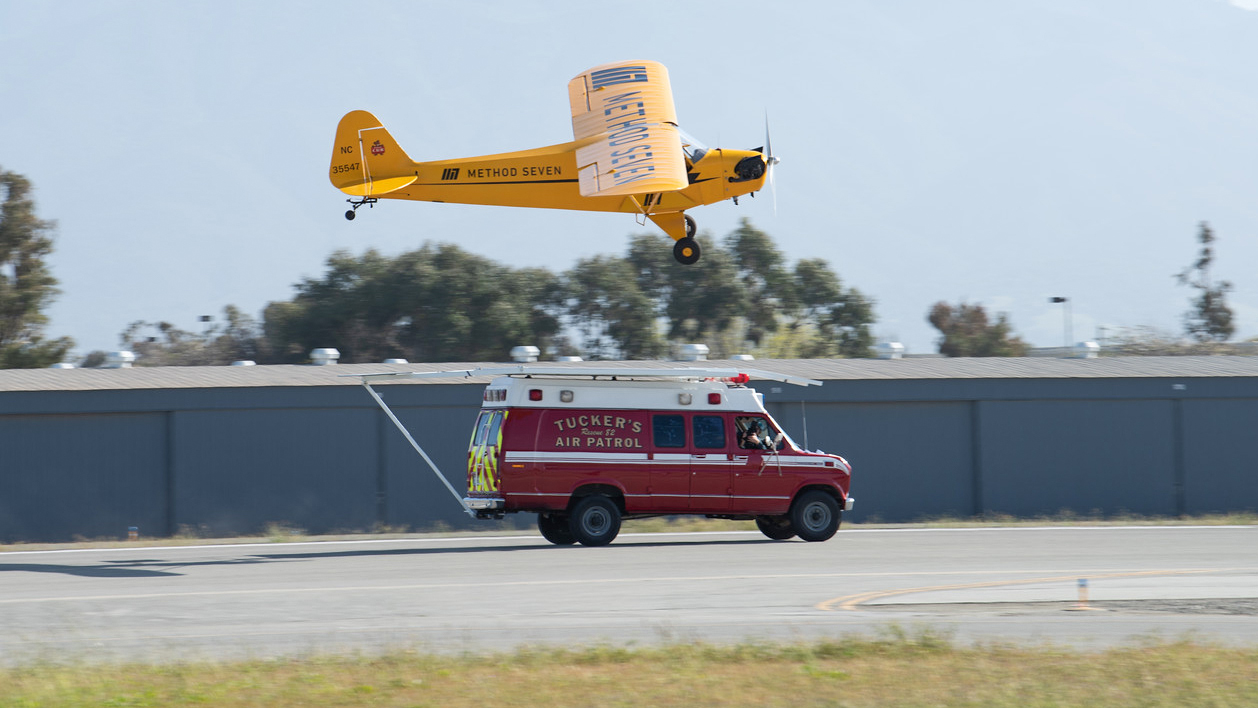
769,161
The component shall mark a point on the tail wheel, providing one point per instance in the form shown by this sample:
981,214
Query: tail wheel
686,250
815,515
777,528
554,528
349,215
594,521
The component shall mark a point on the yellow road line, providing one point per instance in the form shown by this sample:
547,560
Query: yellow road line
851,602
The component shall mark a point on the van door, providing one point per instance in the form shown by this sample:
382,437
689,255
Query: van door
762,484
670,463
485,452
711,483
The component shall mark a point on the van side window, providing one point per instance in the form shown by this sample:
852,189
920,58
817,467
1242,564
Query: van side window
709,431
669,430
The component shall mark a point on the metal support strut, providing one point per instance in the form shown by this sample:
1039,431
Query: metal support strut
418,449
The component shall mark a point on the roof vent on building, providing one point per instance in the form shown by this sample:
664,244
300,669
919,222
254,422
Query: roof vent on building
742,357
396,361
244,362
324,357
694,352
118,360
524,354
62,365
568,358
890,350
1087,350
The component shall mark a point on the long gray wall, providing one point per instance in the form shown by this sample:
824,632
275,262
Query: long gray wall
90,464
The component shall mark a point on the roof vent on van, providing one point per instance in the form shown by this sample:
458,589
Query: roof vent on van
742,357
694,352
244,362
524,354
325,356
396,361
568,358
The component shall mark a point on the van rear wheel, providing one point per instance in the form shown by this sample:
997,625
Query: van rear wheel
554,528
815,515
595,520
777,528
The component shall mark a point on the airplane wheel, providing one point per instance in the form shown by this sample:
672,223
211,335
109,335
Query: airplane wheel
691,227
349,215
686,250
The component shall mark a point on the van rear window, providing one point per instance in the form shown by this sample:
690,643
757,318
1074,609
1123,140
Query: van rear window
482,427
668,430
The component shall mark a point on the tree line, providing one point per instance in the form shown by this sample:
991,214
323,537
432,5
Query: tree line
441,303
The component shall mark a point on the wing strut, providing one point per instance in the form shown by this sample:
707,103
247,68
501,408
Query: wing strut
418,449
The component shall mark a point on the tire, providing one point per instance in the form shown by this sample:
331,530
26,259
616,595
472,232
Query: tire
815,515
554,528
686,251
778,528
691,226
594,521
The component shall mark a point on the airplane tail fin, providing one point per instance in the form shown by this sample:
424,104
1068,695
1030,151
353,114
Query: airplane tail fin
366,160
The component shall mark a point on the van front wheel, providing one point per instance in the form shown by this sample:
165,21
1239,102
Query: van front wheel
594,521
554,528
815,515
777,528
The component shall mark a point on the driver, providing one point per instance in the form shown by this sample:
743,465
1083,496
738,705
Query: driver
759,438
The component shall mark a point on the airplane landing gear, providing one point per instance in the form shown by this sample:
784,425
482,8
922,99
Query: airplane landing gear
686,251
369,201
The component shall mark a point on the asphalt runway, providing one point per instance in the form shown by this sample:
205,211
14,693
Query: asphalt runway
498,593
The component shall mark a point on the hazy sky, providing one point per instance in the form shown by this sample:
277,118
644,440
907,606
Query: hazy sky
994,152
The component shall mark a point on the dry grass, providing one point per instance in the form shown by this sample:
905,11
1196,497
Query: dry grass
897,670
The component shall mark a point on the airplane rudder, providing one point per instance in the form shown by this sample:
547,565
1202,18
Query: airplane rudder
348,169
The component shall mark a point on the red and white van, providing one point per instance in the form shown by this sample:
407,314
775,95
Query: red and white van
585,447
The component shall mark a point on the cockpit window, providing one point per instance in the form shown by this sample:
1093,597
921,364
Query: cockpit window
694,149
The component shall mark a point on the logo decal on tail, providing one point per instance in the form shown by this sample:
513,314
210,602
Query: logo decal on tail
377,148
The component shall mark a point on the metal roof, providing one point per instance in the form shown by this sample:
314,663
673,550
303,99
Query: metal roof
200,377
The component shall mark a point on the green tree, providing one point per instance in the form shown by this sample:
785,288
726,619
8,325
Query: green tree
765,277
1210,319
616,319
840,317
236,337
967,332
437,303
26,284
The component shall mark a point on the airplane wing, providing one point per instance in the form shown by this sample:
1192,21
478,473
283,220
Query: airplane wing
625,111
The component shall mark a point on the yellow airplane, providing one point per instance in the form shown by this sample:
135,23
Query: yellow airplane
628,155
